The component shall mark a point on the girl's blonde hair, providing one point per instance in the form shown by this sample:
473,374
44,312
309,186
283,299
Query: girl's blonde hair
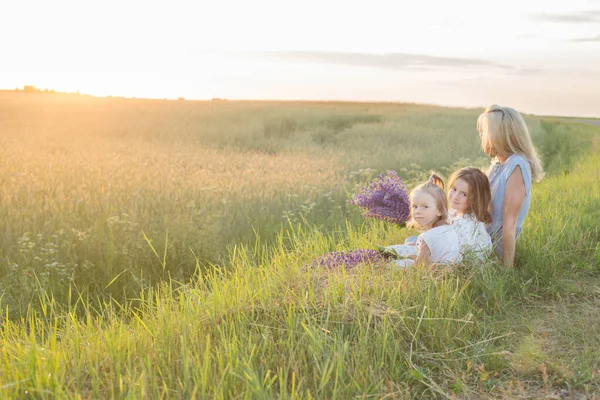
434,187
503,133
479,199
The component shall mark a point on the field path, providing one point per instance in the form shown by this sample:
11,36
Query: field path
567,332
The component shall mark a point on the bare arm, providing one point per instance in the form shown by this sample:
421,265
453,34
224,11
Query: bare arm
424,254
513,199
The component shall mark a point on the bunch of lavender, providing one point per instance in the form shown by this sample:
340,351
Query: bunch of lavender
349,259
386,198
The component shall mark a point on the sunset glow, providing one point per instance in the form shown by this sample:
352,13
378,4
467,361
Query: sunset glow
538,57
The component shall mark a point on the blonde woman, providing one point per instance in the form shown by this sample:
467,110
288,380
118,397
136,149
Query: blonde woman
515,164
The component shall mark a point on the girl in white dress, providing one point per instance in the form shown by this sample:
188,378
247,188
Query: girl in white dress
438,244
469,198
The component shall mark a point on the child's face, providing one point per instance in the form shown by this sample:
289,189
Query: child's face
424,209
458,197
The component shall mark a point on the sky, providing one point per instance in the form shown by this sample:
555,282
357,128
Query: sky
540,57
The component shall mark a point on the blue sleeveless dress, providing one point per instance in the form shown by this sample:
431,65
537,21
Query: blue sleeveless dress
498,176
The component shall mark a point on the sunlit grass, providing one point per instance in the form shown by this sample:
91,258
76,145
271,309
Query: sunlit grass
114,213
83,180
265,328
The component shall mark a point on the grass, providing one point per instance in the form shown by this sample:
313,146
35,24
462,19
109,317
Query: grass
84,179
261,327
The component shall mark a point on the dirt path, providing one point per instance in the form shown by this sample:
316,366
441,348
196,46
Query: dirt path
568,332
558,353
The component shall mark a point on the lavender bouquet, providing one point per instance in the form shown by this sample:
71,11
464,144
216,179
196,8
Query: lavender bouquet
349,259
385,198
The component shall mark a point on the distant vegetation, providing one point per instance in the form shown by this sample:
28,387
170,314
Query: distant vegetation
33,89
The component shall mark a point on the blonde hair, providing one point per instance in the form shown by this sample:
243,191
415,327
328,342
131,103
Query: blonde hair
435,188
503,133
479,199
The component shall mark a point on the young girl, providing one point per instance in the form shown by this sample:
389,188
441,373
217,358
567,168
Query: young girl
469,199
438,244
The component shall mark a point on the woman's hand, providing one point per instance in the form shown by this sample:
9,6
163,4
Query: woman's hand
513,200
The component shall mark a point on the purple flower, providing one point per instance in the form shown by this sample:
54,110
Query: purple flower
386,198
349,259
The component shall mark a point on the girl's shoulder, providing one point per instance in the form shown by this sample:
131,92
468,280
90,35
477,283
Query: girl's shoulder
442,242
464,217
467,219
452,216
463,226
467,224
439,229
473,219
436,232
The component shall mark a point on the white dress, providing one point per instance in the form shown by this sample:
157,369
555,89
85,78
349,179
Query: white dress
473,238
443,246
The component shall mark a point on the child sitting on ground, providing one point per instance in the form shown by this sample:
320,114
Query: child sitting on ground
469,199
438,242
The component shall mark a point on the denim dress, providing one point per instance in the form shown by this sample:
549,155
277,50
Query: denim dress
498,175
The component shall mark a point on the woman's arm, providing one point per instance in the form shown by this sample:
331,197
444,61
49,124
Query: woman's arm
513,200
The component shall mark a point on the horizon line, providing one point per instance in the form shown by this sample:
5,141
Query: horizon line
47,91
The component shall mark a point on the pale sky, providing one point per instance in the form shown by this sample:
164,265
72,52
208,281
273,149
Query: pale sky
539,57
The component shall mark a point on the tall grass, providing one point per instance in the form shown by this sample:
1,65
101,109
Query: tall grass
563,143
89,184
265,328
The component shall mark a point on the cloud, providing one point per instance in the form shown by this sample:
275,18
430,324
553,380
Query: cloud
586,39
394,61
528,36
574,17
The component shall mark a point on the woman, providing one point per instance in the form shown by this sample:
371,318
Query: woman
515,163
